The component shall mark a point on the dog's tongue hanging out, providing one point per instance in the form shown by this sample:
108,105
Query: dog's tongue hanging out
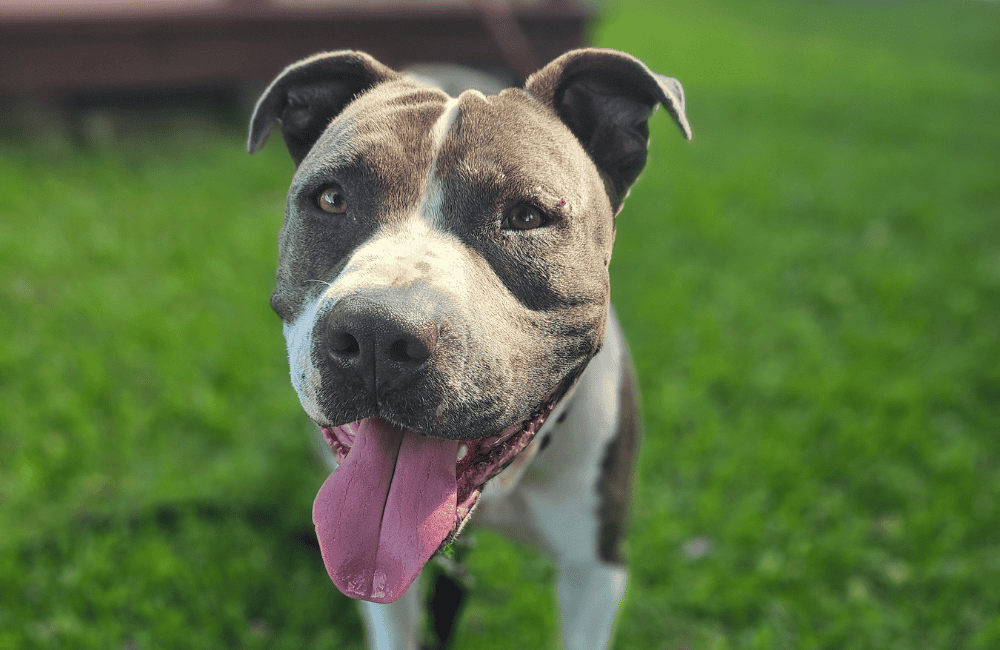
385,510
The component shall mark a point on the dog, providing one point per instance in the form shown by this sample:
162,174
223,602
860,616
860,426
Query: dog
443,287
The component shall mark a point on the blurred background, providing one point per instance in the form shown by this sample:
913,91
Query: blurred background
810,287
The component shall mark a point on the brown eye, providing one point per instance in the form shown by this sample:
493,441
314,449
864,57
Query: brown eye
332,200
525,217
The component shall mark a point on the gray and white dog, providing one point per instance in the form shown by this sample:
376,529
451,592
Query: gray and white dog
443,287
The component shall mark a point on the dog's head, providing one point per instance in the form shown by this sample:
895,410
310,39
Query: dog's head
443,278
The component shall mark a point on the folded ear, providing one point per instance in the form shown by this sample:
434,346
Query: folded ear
310,93
606,97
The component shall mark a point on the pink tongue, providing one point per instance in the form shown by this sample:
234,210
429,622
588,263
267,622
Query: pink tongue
381,515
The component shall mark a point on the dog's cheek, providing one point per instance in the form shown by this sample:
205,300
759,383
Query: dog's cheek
305,375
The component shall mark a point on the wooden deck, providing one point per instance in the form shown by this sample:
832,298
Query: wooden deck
73,45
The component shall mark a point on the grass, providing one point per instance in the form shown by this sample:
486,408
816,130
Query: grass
810,288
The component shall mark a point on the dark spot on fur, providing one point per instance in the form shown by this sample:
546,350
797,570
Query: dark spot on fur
444,606
615,485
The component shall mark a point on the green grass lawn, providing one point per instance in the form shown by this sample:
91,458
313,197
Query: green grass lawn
811,289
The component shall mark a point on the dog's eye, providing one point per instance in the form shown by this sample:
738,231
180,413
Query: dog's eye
332,200
525,216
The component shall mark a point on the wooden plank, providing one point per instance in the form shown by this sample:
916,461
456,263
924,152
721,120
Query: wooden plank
226,44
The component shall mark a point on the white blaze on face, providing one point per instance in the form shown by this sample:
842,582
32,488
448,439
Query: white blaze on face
432,197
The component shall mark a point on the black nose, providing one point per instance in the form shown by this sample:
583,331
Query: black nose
381,338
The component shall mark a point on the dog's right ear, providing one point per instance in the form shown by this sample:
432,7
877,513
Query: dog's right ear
606,97
307,95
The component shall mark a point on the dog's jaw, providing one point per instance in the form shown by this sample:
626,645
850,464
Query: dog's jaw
398,496
477,461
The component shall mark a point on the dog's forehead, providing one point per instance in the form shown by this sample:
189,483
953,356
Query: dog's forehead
513,144
387,127
403,125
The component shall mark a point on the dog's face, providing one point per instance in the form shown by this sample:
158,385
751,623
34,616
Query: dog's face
465,234
443,277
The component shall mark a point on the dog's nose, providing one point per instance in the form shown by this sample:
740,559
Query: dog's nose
381,339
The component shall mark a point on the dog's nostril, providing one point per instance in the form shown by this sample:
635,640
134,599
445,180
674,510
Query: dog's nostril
410,349
397,351
343,344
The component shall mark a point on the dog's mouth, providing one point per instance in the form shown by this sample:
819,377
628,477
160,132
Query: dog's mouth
397,496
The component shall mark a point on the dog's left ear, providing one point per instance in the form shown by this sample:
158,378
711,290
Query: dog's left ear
606,97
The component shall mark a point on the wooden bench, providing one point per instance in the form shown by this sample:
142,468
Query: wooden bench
54,46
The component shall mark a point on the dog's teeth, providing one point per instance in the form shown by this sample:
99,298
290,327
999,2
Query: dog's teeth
462,451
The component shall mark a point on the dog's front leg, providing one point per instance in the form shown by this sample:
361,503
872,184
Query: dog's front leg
590,593
394,626
579,494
